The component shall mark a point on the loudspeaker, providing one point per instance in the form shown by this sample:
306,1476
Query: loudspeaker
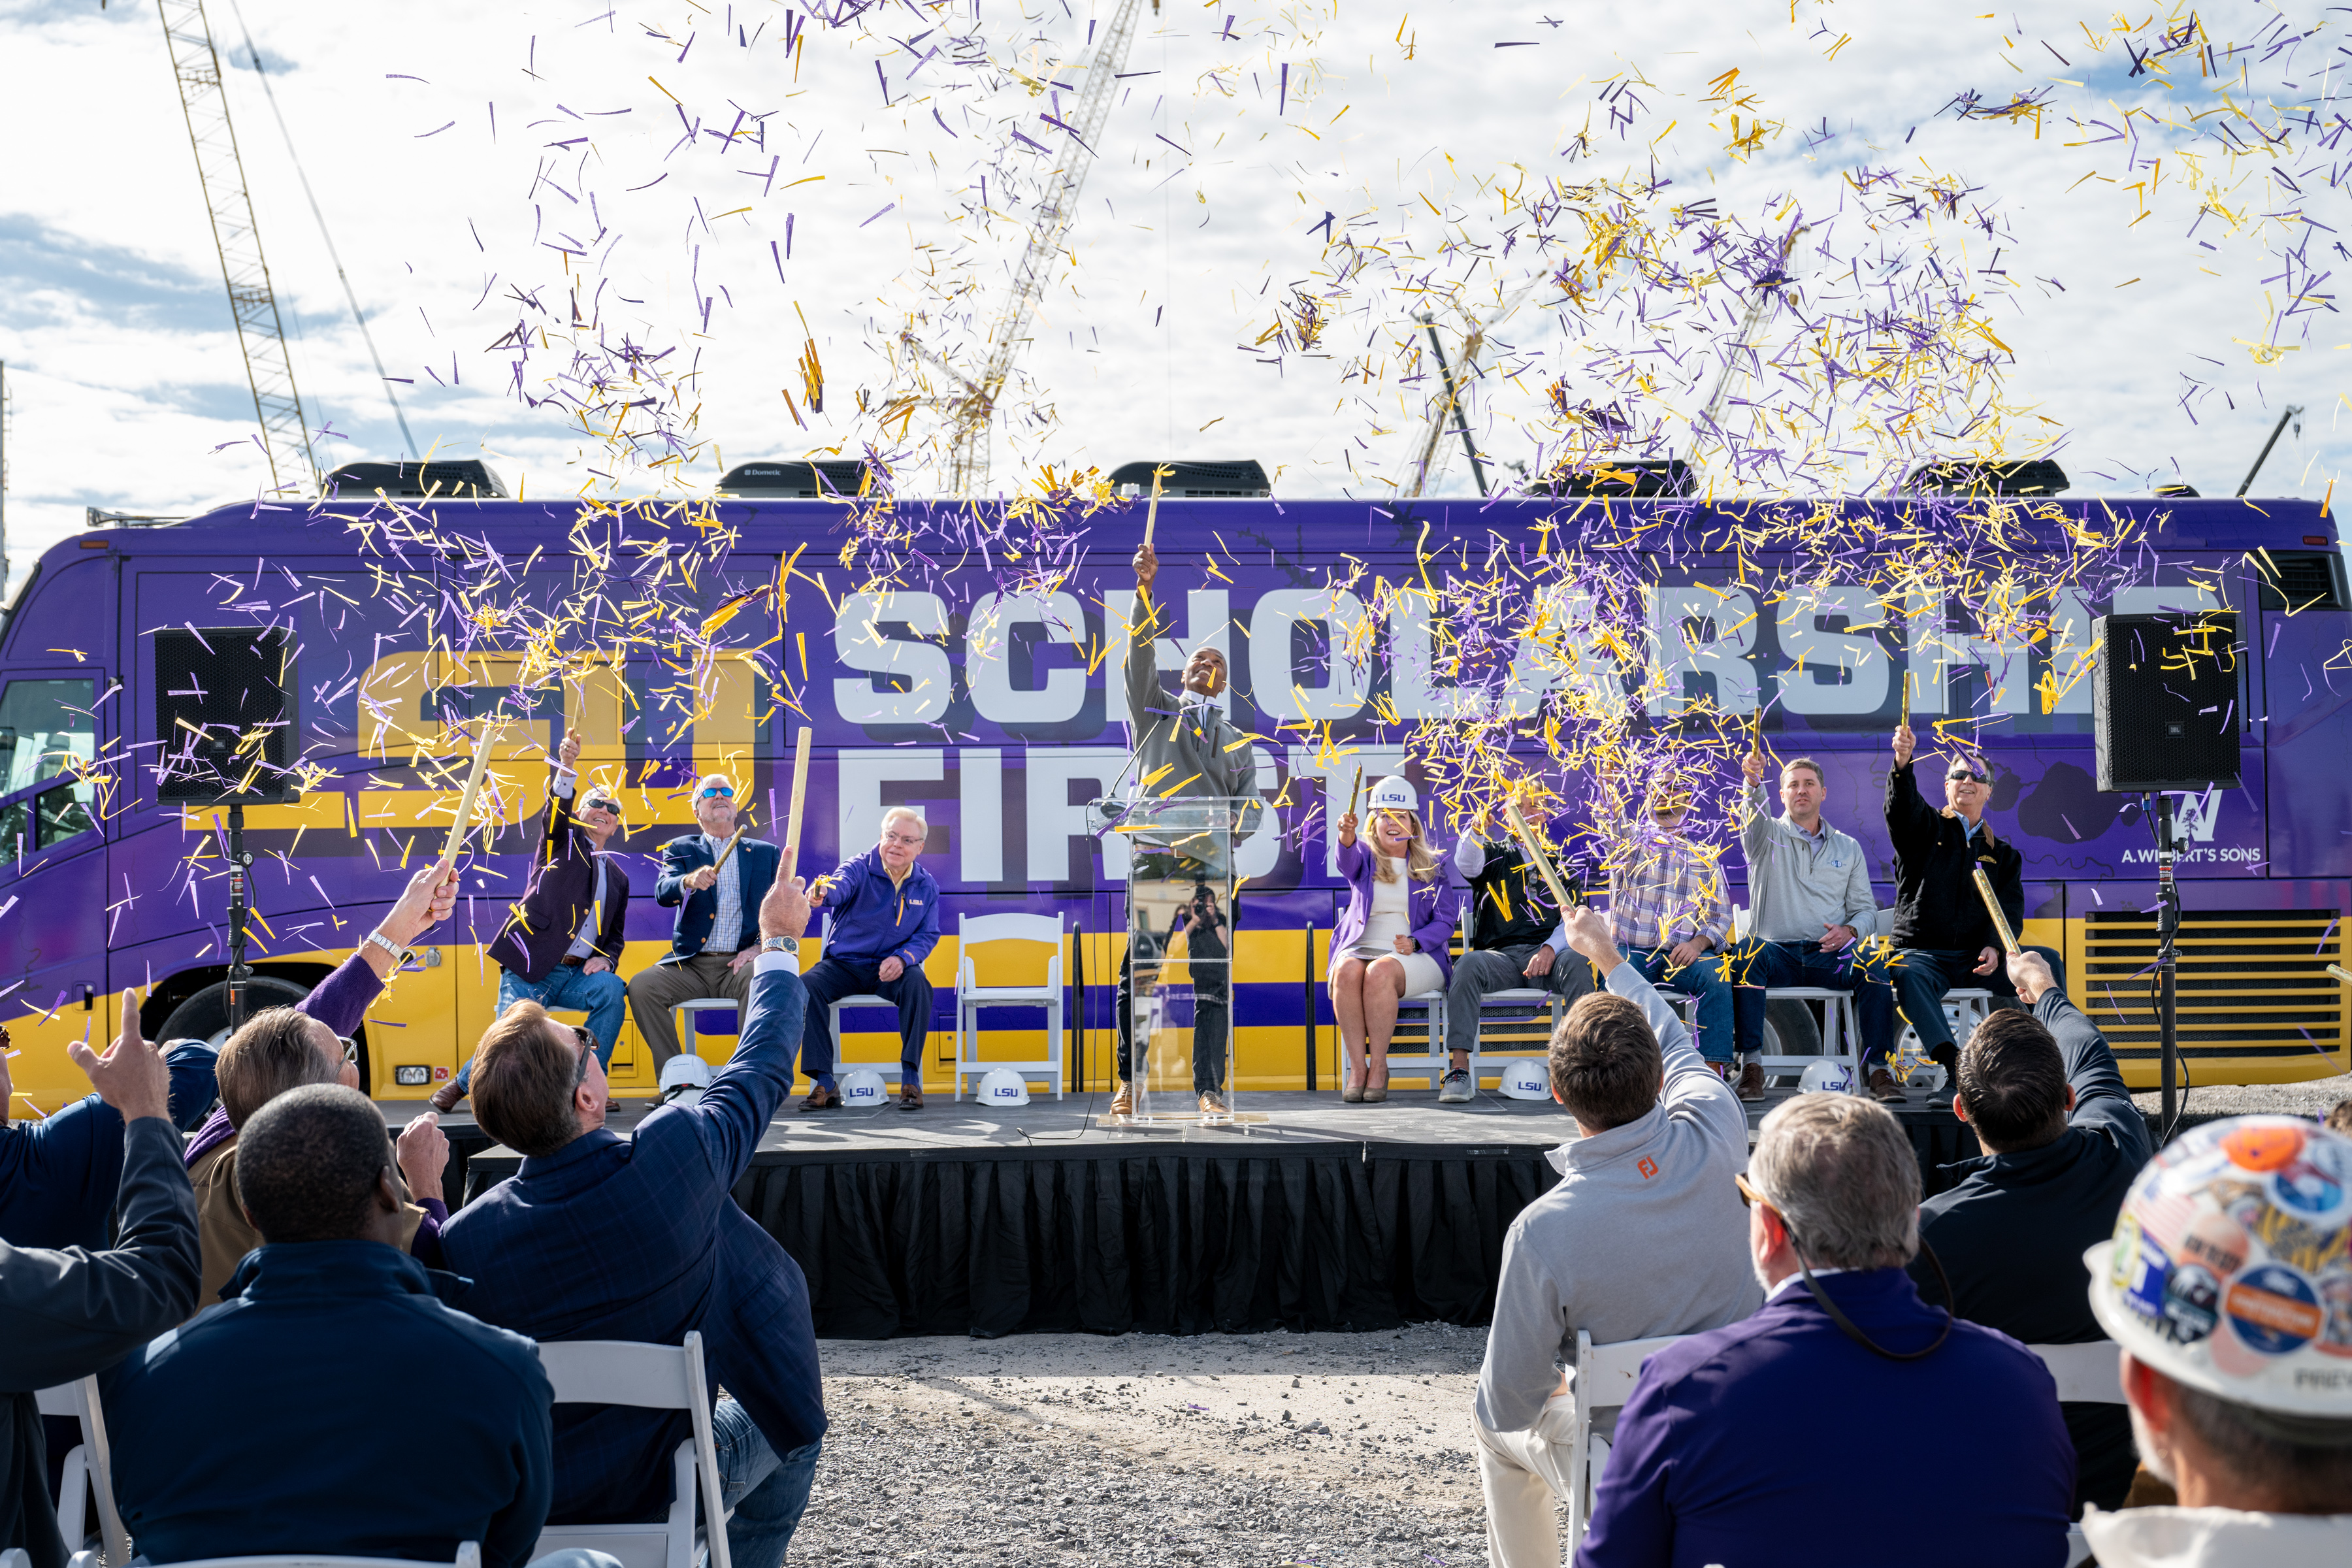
222,715
2164,709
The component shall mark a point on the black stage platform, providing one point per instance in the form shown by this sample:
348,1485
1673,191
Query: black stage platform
959,1220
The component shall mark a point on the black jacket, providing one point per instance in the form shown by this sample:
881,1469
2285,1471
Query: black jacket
69,1312
1935,900
2012,1231
1511,904
540,931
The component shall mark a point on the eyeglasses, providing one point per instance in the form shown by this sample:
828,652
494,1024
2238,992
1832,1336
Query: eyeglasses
587,1049
719,792
903,838
351,1049
598,803
1748,1197
1967,775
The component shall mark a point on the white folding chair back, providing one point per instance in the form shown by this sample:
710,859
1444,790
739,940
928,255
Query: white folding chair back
1040,931
469,1555
2087,1373
647,1377
1602,1379
1841,1033
89,1471
1421,1059
683,1016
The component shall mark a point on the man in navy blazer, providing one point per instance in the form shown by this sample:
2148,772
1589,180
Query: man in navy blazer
601,1237
562,946
716,934
1802,1436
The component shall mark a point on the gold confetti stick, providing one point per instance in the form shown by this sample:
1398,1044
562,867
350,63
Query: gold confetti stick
728,848
466,802
800,794
1992,908
1356,795
1536,856
1906,700
2340,972
1151,517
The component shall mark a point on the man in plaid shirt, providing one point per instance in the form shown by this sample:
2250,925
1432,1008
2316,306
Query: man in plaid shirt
1669,912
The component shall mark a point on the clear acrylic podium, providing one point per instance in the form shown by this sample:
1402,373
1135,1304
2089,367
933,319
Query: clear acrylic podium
1176,986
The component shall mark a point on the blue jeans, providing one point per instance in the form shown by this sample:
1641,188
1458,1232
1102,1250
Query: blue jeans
766,1490
603,997
1920,976
1703,980
1757,965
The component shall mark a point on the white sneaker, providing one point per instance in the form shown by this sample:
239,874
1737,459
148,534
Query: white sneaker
1456,1088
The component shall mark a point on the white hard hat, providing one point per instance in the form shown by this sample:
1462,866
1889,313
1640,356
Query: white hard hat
1002,1085
864,1087
1526,1079
2228,1270
684,1078
1827,1077
1395,793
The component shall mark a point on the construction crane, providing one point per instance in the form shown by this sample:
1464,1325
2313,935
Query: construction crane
276,404
972,410
1766,290
1449,405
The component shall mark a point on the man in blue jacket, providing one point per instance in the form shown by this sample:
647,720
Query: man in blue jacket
885,921
718,929
298,1463
598,1237
1793,1436
2062,1143
59,1174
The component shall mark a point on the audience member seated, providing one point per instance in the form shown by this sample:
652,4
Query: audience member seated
1847,1423
1516,939
2229,1288
2062,1143
1642,1236
1944,935
249,1431
283,1049
67,1313
597,1238
59,1174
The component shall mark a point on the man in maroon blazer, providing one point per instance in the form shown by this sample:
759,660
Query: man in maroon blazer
562,946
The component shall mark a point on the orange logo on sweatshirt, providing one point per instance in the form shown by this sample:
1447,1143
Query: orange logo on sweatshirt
1647,1166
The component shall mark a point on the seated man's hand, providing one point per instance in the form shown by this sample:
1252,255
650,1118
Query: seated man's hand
1685,954
131,1077
1988,960
423,1150
1837,939
890,968
2030,973
1540,964
743,957
785,910
595,965
1588,933
703,879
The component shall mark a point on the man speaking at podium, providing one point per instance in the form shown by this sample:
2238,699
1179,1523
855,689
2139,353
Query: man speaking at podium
1184,749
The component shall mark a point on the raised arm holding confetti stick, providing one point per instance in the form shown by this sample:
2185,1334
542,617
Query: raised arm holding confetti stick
717,895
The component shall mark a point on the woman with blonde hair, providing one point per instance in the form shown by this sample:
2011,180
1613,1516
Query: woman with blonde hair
1392,939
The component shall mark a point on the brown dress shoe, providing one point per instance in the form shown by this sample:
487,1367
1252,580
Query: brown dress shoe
820,1099
1883,1084
1123,1102
910,1097
449,1097
1212,1103
1751,1083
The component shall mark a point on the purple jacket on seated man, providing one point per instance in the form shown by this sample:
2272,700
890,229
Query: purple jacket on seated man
556,897
1433,908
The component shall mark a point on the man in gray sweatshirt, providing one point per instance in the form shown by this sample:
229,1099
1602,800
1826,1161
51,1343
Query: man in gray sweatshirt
1810,901
1644,1235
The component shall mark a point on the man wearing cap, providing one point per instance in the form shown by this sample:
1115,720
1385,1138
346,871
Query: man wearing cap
1184,750
885,913
1517,941
1944,936
562,946
1669,913
2229,1286
716,934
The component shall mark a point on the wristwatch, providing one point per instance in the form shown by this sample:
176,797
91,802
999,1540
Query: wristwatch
401,956
791,944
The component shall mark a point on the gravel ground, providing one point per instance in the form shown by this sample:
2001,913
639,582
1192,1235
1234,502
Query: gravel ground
2314,1097
1228,1451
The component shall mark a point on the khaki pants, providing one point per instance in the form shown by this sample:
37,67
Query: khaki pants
1524,1475
652,993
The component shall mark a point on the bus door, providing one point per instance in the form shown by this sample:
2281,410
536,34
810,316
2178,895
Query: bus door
52,875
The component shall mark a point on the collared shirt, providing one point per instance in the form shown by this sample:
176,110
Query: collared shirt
1662,889
726,926
1797,1279
584,942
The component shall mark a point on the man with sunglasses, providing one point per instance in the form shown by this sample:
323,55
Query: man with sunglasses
562,946
717,932
1740,1445
1944,936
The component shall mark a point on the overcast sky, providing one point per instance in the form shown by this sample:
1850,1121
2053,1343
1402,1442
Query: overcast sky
455,150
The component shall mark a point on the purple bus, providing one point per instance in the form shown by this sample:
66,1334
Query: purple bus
966,663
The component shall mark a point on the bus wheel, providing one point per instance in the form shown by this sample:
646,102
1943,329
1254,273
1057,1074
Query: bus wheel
204,1015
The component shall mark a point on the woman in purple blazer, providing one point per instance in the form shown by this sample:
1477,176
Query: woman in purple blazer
1392,941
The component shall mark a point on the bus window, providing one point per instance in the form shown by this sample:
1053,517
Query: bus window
45,725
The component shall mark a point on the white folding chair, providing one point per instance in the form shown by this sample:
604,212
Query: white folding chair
89,1471
646,1377
1963,1008
1602,1379
688,1012
469,1555
1522,1003
1423,1057
1042,931
2086,1373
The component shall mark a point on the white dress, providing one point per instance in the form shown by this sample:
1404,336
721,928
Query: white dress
1391,917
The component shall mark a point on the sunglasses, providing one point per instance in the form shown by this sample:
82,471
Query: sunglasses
719,792
1748,1197
350,1049
598,803
587,1050
1967,775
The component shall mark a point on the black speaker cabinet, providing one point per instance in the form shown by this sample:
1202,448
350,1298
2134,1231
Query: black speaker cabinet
2165,713
215,688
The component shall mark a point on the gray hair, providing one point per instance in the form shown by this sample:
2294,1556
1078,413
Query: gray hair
1844,1178
909,812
